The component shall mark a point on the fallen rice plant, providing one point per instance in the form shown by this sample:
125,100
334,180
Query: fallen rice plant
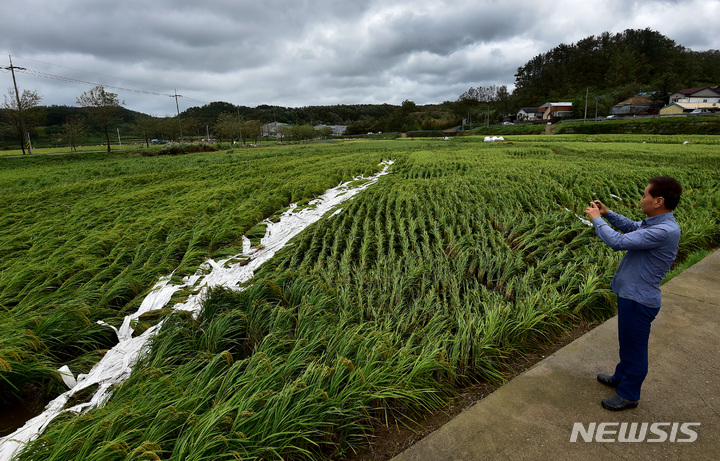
427,281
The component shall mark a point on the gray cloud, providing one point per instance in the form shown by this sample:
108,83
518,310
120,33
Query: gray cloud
312,52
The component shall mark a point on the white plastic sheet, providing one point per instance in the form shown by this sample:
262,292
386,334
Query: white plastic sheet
584,221
117,364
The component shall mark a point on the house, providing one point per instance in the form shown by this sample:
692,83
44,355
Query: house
528,113
337,130
693,95
684,108
633,106
271,129
551,110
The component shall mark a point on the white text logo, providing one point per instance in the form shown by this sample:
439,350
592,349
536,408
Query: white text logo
634,432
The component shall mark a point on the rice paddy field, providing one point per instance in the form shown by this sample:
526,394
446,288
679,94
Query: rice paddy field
468,254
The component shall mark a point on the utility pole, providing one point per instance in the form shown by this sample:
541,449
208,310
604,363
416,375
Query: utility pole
24,134
177,106
587,92
596,104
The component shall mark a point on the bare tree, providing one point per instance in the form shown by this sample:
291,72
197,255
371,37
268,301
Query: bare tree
102,106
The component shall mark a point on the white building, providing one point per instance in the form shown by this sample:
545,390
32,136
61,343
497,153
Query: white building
529,113
337,130
696,95
271,129
552,110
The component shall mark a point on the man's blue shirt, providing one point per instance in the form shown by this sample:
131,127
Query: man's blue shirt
651,245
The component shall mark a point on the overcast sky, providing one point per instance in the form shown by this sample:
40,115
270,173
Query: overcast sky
312,52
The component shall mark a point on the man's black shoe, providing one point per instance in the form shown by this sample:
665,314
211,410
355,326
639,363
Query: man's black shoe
617,403
607,380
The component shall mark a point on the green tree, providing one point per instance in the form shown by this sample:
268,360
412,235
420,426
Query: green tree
474,104
284,132
192,125
228,126
146,127
503,100
102,107
302,132
326,131
170,127
611,63
72,130
26,116
250,129
408,107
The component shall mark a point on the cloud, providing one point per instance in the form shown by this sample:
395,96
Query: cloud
312,52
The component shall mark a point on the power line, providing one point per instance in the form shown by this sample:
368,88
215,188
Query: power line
84,82
84,71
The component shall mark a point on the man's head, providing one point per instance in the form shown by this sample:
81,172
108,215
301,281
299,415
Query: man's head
661,195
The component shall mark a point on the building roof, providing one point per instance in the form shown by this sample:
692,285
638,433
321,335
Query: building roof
689,91
635,102
555,104
273,125
695,105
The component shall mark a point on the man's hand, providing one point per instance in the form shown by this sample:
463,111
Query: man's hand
601,206
595,209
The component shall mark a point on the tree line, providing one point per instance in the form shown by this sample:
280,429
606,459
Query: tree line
100,112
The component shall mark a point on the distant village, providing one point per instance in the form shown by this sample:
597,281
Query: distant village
277,129
690,101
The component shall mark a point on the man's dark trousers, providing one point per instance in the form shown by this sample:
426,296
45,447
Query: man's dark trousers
634,321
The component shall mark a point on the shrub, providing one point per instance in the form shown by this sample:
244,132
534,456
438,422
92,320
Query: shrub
172,148
661,125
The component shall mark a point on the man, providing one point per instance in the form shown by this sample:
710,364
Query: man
651,246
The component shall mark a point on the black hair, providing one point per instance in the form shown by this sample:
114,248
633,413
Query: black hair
666,187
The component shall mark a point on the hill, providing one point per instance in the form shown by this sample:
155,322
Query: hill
614,67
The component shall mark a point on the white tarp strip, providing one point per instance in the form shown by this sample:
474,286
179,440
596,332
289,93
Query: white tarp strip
117,364
584,221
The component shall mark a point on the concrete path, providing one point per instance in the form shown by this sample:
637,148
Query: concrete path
532,417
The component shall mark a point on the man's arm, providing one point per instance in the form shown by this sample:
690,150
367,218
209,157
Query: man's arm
640,239
615,240
622,223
